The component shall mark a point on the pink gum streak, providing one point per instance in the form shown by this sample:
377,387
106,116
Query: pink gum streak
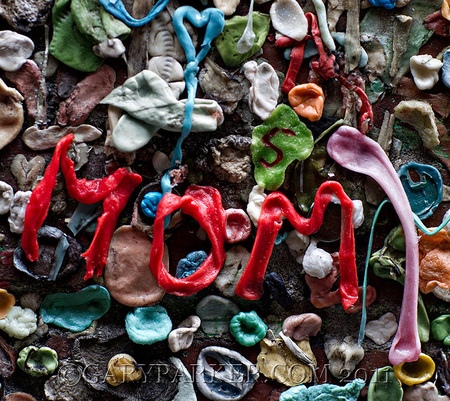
356,152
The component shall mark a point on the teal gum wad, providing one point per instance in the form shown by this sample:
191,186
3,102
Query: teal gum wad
425,195
248,328
324,392
38,361
76,311
148,325
276,143
226,43
440,329
78,25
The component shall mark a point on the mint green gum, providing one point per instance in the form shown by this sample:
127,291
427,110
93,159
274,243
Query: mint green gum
248,328
295,145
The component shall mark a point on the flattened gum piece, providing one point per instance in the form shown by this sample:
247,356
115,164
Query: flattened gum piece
86,95
302,326
127,274
28,82
321,294
434,266
307,100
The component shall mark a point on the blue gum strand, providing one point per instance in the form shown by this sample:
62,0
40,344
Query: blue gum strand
421,227
214,20
117,8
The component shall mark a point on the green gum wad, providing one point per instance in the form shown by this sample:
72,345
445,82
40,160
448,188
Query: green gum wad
68,45
385,386
95,23
77,26
276,143
226,43
440,329
76,311
388,263
38,361
248,328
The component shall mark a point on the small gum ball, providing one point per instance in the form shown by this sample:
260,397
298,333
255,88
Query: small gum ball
302,326
307,100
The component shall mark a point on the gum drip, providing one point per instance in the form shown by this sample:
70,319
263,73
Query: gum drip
354,151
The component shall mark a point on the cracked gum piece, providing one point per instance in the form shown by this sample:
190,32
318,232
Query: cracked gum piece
76,311
276,143
434,265
226,43
307,100
122,368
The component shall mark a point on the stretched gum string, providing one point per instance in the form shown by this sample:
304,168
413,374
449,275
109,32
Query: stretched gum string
114,190
205,205
277,205
215,20
362,327
117,8
356,152
39,202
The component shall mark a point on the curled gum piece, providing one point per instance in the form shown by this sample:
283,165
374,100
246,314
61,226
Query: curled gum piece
416,372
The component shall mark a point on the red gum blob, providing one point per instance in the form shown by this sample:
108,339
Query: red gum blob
321,294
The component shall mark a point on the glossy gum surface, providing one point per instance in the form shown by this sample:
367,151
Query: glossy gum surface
361,154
